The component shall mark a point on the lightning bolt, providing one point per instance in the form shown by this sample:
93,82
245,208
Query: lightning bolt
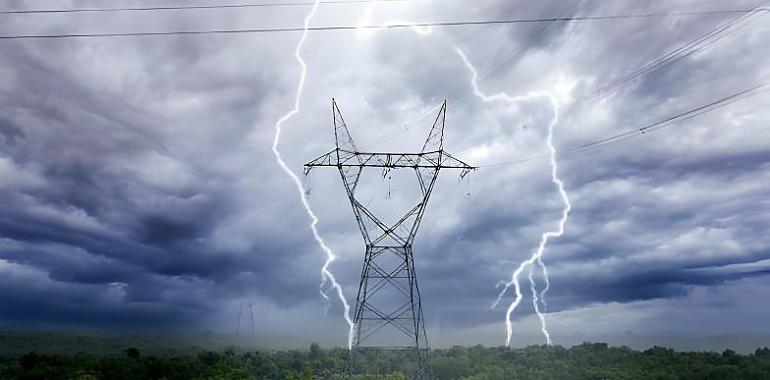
537,255
536,259
326,274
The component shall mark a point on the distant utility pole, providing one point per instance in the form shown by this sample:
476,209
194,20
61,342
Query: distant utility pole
388,311
240,313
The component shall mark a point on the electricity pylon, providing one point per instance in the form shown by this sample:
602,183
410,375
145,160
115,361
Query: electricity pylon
388,295
240,313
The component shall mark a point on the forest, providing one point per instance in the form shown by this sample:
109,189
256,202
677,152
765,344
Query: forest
585,361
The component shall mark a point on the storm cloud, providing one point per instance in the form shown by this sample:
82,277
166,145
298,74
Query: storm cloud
140,191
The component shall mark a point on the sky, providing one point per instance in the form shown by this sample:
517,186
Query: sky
140,191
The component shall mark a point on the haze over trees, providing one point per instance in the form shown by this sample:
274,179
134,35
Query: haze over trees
585,361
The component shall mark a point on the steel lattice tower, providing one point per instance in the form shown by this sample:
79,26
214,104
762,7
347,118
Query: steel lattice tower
388,295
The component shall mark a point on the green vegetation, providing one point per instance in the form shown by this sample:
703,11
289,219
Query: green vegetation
17,343
586,361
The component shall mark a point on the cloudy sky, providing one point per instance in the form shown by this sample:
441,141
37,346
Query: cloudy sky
140,191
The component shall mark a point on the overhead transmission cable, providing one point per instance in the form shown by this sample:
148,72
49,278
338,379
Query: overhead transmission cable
507,55
664,123
686,115
698,44
378,27
187,7
670,58
667,59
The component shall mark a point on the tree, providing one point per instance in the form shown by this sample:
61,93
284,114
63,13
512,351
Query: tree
132,353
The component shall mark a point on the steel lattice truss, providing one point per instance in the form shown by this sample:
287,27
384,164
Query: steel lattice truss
389,262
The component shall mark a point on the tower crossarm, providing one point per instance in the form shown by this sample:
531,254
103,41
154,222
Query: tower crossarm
344,158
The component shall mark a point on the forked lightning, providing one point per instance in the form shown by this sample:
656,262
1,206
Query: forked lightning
537,256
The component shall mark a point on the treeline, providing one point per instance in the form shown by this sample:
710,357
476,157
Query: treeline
586,361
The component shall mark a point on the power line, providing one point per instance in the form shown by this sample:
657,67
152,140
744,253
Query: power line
187,7
686,115
668,121
390,26
615,84
509,54
670,58
667,59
